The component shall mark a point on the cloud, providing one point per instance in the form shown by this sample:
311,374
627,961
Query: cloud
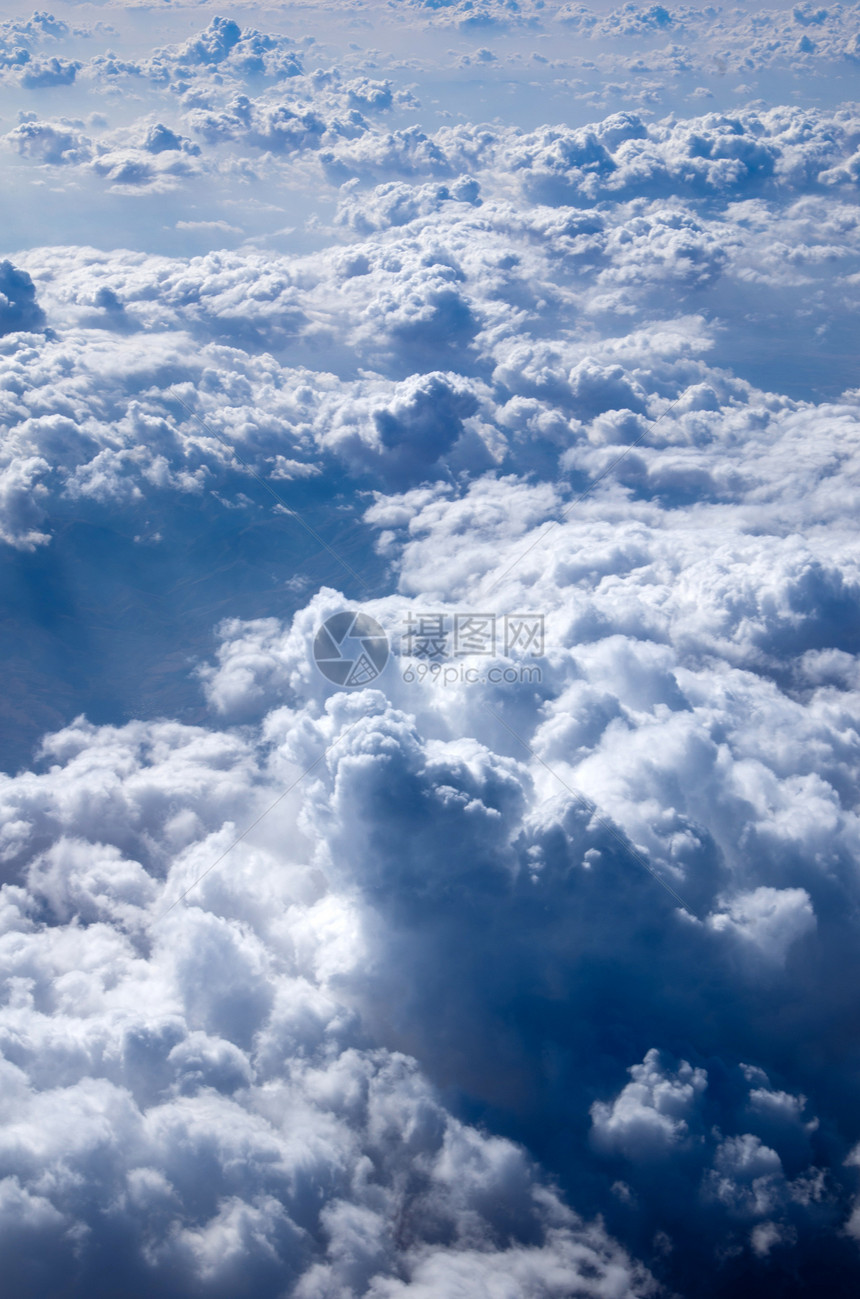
40,73
650,1113
768,919
22,499
58,143
505,949
223,47
397,204
19,310
151,1081
702,157
404,434
160,139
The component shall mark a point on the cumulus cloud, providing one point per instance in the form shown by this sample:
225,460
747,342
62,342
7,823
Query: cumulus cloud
150,1081
40,73
768,919
19,310
650,1113
59,143
744,153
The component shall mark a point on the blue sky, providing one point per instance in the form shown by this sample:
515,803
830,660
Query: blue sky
526,966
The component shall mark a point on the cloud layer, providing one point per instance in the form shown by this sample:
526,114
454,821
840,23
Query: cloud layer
463,983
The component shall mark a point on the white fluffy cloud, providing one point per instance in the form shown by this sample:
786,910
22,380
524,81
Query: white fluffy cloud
650,1113
187,1101
767,919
